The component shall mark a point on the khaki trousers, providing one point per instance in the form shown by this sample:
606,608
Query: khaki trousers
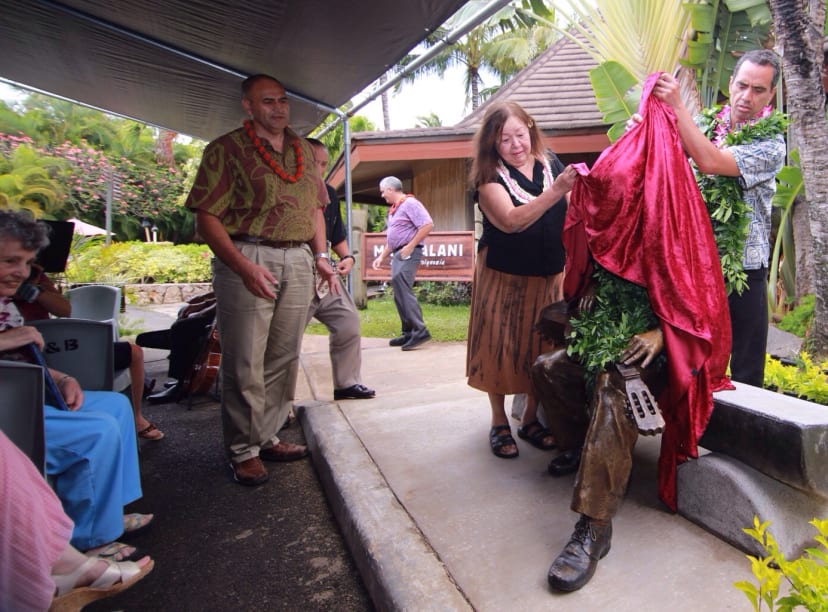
338,313
260,343
599,424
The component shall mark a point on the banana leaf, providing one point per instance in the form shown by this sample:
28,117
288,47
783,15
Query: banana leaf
616,93
739,25
789,184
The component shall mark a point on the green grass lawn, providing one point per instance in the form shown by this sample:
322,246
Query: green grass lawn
380,320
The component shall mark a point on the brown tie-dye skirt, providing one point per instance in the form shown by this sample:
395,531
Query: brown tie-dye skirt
502,341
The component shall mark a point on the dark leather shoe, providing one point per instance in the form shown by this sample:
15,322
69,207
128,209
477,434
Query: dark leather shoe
565,463
284,452
167,396
250,472
149,386
399,340
354,392
577,562
416,340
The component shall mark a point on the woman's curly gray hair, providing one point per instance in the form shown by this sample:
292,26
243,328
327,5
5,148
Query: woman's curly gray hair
21,226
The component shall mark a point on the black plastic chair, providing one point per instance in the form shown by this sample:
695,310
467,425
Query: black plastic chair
21,408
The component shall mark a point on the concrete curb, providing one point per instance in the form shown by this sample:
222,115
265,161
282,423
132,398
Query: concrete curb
400,569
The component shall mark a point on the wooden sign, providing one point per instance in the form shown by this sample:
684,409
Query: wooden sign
447,256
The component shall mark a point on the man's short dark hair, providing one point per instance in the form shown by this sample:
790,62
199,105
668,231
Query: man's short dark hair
760,57
315,142
250,81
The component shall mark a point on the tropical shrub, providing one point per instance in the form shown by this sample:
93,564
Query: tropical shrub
75,180
798,320
804,378
443,293
29,179
806,576
139,262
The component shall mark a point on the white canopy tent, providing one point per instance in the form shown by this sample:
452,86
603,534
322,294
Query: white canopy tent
87,229
177,64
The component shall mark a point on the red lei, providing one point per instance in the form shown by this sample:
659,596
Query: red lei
297,151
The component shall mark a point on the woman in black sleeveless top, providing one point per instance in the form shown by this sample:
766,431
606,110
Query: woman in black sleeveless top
521,192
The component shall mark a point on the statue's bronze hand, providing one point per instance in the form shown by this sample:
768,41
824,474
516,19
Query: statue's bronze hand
643,347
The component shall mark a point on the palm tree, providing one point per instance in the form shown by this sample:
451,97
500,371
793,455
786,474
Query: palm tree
502,45
430,120
27,181
631,39
799,31
386,114
334,138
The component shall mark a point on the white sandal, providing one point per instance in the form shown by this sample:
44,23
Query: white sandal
118,576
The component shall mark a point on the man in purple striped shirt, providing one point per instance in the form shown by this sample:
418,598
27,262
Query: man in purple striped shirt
407,225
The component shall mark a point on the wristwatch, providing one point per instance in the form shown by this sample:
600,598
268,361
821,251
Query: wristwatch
348,256
322,256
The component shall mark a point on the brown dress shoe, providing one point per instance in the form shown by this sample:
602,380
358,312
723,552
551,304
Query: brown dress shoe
284,451
250,472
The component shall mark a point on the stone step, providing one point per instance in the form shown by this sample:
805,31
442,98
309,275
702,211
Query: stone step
783,437
722,495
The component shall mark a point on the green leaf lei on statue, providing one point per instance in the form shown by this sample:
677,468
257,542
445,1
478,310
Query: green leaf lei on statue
620,310
723,194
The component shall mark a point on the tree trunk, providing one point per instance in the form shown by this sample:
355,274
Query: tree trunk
799,35
804,243
386,115
474,79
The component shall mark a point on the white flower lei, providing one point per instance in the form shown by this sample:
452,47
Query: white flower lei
520,194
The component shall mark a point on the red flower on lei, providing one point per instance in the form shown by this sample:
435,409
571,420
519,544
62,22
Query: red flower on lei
297,151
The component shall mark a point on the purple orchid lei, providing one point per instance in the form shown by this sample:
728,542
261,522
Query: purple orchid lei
723,127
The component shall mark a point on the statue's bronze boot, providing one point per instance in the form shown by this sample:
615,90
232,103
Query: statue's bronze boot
577,562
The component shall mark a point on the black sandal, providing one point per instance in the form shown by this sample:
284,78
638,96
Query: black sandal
499,441
534,433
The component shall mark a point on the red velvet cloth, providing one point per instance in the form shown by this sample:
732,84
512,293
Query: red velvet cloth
641,216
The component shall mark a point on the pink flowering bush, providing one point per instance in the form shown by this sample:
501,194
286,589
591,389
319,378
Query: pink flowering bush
148,192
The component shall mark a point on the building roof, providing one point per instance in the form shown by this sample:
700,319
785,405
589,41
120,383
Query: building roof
554,88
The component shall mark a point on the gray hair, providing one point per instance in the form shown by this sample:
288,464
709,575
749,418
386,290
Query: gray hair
20,225
391,182
760,57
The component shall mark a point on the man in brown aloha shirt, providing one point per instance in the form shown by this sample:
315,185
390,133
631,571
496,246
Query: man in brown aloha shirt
259,204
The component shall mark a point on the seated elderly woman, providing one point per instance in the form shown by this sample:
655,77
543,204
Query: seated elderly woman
40,568
38,298
91,448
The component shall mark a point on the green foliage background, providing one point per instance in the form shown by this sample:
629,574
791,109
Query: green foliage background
380,320
139,262
60,160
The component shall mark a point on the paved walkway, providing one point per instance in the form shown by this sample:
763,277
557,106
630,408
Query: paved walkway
435,522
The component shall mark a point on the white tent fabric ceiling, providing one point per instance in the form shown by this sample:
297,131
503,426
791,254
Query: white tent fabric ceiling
177,64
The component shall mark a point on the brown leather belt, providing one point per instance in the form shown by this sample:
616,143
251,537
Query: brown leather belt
275,244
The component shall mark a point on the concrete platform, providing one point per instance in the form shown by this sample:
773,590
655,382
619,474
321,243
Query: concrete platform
417,489
435,521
